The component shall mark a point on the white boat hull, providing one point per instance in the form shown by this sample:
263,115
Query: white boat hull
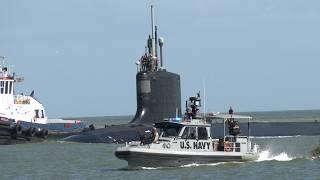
140,157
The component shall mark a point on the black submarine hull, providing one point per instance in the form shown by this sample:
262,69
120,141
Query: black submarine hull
112,134
130,132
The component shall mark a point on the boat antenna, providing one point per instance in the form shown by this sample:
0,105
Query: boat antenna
248,133
204,98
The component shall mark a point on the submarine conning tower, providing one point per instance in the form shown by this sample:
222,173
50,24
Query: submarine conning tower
158,91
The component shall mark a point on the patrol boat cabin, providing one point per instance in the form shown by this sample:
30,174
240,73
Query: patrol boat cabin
189,140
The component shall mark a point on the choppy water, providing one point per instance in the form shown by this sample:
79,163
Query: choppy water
281,158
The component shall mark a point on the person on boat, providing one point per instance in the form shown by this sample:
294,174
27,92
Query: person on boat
234,126
147,138
155,135
194,107
221,144
194,111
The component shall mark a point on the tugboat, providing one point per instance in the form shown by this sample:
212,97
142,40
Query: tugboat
22,117
189,140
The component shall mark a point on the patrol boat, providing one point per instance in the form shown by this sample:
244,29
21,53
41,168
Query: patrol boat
23,116
189,140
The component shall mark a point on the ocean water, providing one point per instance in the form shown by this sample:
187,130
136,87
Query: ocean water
280,158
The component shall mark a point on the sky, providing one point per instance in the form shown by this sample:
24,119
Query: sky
79,55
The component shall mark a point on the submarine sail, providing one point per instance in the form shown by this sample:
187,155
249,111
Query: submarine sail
158,91
158,97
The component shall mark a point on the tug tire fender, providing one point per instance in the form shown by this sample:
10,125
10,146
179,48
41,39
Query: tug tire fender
44,133
17,129
31,131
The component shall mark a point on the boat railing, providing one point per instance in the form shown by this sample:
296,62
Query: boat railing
236,137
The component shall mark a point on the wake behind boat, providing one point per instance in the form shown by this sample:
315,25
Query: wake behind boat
23,117
188,141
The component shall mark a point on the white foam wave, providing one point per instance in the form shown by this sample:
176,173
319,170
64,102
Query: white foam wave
272,137
266,156
189,165
209,164
149,168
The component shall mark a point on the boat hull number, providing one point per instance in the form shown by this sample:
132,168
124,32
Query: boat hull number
166,146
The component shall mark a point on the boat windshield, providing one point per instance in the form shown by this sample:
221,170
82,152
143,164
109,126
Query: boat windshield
170,131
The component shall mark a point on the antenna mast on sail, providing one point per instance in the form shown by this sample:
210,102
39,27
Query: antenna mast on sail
153,53
149,61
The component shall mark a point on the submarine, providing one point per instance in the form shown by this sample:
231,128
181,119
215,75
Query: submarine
158,97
